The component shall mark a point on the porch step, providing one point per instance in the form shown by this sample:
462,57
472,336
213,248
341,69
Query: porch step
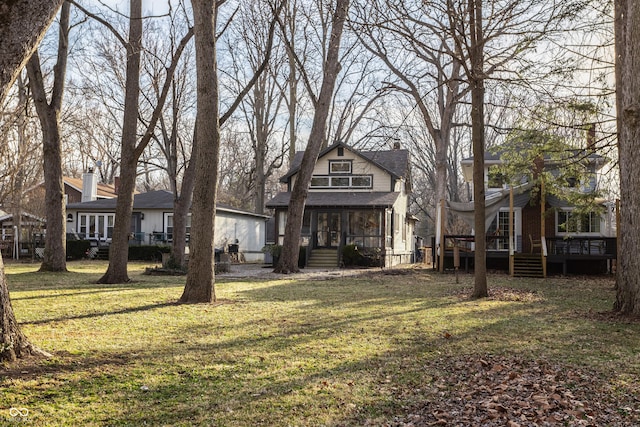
528,265
323,258
103,253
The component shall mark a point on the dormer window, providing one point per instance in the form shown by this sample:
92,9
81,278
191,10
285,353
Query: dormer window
339,166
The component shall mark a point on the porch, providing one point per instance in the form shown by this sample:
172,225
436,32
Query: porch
573,255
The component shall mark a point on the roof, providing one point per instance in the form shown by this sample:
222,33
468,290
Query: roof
339,199
159,200
104,191
396,162
5,216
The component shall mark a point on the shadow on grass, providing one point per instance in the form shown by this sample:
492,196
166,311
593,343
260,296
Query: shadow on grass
128,310
71,294
243,380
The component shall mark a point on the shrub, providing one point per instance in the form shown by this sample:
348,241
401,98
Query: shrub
350,255
148,252
77,249
353,255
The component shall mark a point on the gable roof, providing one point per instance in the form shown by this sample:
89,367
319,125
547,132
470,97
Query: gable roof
159,200
395,162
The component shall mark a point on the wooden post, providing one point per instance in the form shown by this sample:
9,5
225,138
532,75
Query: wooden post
617,237
441,243
543,227
511,231
456,259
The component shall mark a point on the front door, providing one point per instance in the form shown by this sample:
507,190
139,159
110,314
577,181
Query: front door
329,229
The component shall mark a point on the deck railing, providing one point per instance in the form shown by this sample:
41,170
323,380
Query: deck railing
587,246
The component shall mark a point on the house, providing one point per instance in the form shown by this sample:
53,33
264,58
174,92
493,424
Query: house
152,223
561,237
76,190
358,198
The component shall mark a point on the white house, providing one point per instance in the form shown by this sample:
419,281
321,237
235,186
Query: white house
152,223
356,198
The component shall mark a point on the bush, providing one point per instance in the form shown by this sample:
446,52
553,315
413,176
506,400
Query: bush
148,252
302,257
353,255
77,249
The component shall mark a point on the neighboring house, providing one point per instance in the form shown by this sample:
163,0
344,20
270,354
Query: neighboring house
76,190
152,223
565,241
355,198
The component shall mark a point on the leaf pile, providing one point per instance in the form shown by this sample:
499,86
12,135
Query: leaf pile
497,391
503,294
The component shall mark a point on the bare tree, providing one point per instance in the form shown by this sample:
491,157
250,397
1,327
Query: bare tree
262,107
476,74
288,262
200,285
132,148
55,253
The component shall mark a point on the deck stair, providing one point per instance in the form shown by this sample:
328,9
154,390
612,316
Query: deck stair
528,265
323,258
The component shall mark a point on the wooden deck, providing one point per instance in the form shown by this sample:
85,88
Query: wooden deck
576,255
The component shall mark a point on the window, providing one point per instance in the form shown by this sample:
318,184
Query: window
365,229
354,181
320,181
571,222
340,182
498,231
361,181
339,166
96,226
169,228
282,223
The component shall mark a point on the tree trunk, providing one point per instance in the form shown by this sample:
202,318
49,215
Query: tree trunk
23,23
288,262
119,249
181,207
477,124
293,91
200,285
261,136
55,253
627,25
13,343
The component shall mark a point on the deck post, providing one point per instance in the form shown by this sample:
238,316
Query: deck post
543,228
511,231
441,242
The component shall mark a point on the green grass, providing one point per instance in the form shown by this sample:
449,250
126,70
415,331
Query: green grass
342,351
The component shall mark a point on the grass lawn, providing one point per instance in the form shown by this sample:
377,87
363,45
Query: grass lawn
377,349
